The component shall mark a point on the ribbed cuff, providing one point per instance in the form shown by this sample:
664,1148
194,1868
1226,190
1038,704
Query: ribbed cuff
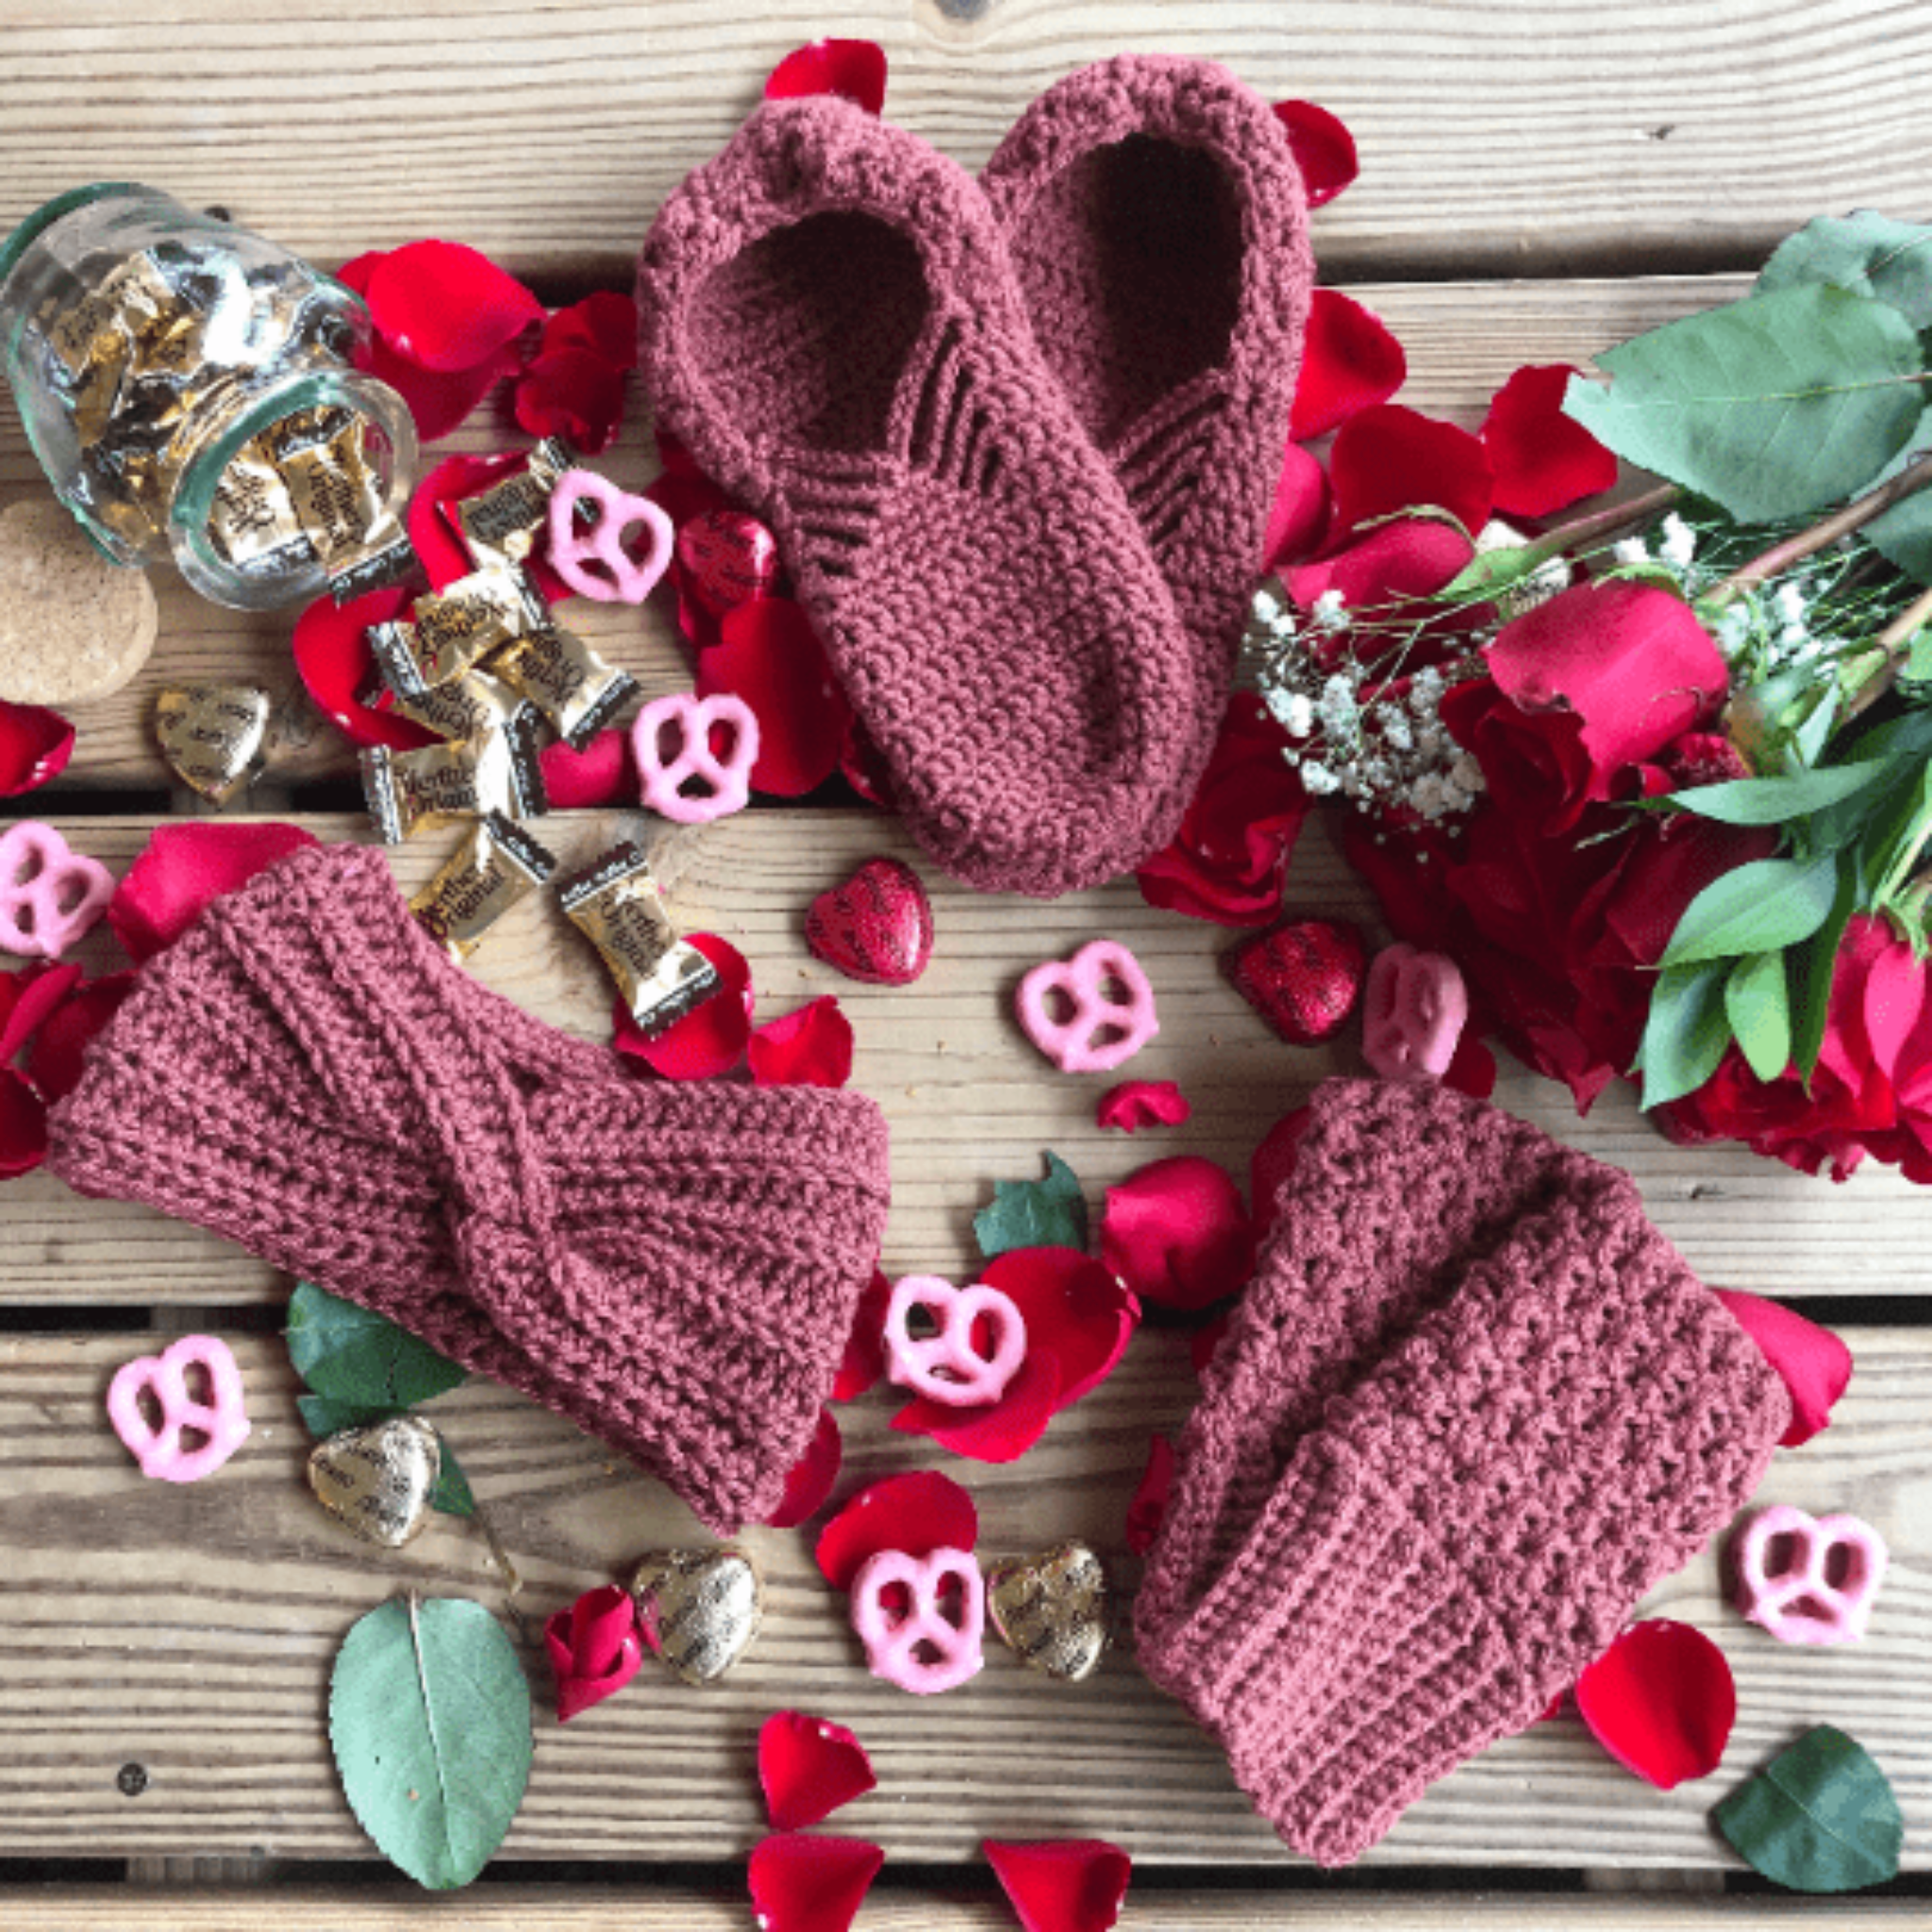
1344,1659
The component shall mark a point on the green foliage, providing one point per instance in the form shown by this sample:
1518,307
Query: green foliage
1820,1817
1757,1006
1686,1032
360,1360
1777,406
1049,1213
429,1718
1760,908
1866,253
1776,801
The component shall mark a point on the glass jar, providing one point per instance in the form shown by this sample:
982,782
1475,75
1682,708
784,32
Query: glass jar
162,358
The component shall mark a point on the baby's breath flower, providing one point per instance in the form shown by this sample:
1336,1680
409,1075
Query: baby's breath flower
1318,781
1630,550
1297,714
1329,613
1677,544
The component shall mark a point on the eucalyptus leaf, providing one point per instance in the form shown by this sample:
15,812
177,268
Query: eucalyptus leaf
1049,1213
1777,405
1867,253
1820,1817
1758,908
1686,1032
1776,801
429,1718
357,1357
1758,1005
1813,968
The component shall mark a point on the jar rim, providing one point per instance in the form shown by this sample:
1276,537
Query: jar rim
43,217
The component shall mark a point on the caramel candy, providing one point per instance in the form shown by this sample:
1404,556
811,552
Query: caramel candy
472,705
454,630
502,525
494,867
573,687
410,789
621,906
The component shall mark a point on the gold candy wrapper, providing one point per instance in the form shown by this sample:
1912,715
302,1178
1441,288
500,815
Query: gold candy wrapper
216,736
251,522
494,867
567,681
336,490
449,632
502,526
407,790
471,706
618,904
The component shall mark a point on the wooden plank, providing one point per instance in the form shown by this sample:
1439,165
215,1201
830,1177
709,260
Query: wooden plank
967,1099
189,1631
526,1909
1492,138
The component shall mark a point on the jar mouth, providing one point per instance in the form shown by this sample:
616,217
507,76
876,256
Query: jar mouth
43,218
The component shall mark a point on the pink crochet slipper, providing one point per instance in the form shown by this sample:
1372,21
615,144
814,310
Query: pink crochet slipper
1158,231
828,324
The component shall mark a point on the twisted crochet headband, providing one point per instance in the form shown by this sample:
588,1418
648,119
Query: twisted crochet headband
675,1268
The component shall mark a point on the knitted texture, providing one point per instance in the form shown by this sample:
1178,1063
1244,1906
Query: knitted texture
1472,1408
1159,230
675,1267
829,324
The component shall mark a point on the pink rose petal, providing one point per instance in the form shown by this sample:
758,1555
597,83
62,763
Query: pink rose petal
1299,515
1176,1232
29,997
1272,1163
809,1767
1064,1885
184,870
22,1127
810,1481
1662,1701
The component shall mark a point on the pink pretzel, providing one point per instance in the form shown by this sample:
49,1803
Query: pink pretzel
1414,1014
947,1367
164,1378
1074,1044
593,561
1788,1582
894,1639
728,779
49,893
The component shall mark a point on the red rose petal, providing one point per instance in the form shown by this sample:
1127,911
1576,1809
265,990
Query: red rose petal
809,1767
1204,1341
573,393
184,870
332,654
768,654
812,1047
855,70
1388,458
806,1883
1814,1363
1001,1431
1473,1069
1137,1103
594,1648
917,1513
1323,149
1075,1310
447,307
27,997
1299,513
602,773
22,1127
1662,1701
808,1482
440,401
1272,1163
1064,1885
1411,558
711,1038
55,1058
1176,1232
1349,363
35,745
1148,1508
864,1360
604,323
433,525
1543,460
864,766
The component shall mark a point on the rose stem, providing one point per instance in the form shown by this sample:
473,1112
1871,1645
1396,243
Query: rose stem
1894,640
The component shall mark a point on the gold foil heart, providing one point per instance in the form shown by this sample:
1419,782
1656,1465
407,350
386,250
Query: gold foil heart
377,1481
215,736
1052,1609
699,1610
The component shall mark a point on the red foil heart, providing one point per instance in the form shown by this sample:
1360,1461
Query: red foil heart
876,927
727,558
1304,979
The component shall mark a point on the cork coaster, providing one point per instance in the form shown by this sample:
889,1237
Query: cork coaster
73,625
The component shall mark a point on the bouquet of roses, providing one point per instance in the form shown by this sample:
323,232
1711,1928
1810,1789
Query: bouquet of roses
1659,777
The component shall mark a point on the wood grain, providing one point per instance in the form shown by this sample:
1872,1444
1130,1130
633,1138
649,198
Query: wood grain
1493,141
190,1630
969,1100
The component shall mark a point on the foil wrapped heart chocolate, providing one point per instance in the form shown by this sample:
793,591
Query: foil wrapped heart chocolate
699,1610
726,557
876,927
1052,1609
376,1481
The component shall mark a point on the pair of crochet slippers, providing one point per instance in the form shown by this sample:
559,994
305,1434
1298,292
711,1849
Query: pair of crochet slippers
1018,438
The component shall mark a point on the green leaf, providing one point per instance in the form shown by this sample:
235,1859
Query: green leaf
1758,1005
1686,1034
1867,253
1919,660
1903,534
1776,801
1773,407
452,1495
1819,1817
358,1358
1813,969
1034,1214
429,1717
1760,908
322,1416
